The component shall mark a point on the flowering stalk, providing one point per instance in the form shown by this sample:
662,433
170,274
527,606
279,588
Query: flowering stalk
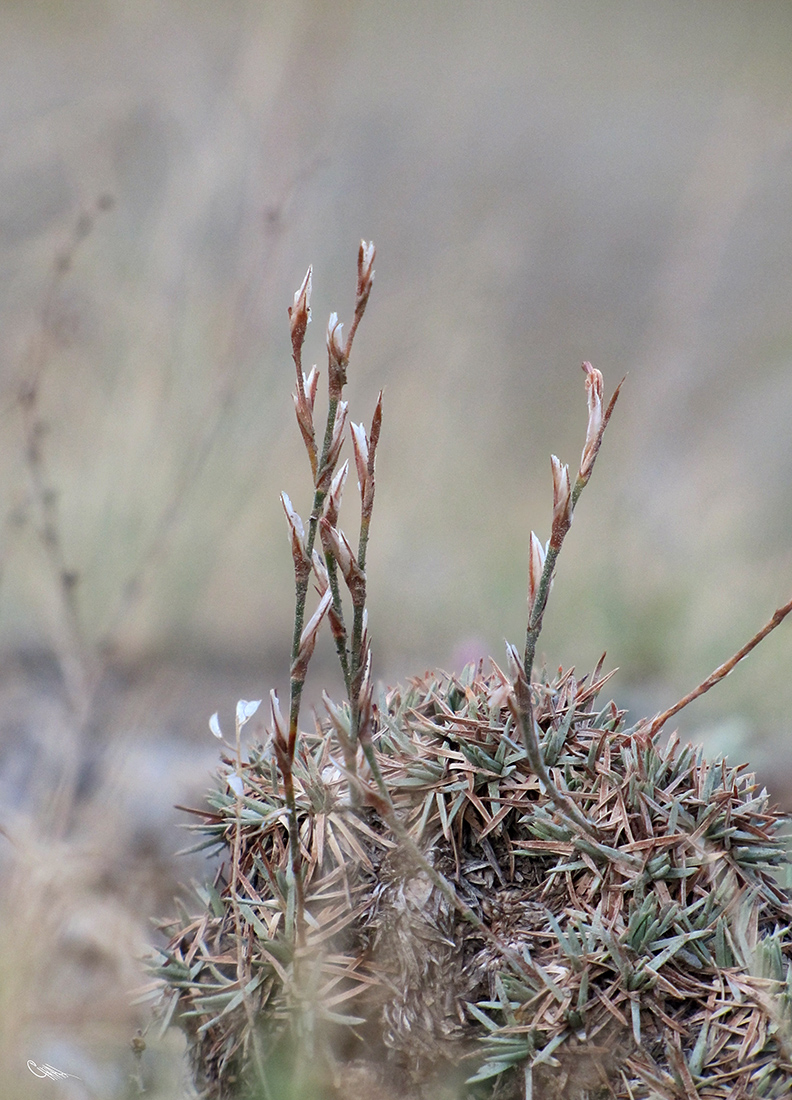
331,509
365,460
338,555
323,466
565,498
327,495
541,565
299,319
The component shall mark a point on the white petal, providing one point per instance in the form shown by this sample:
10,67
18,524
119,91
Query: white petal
245,710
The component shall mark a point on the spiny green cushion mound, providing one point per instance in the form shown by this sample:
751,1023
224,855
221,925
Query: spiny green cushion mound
650,963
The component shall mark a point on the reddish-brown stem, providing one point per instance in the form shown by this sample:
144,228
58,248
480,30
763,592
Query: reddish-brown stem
720,672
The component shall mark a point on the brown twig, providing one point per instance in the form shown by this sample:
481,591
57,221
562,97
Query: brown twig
720,673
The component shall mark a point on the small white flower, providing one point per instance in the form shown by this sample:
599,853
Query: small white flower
214,725
302,298
335,343
562,497
337,543
245,709
311,628
278,724
320,572
333,499
236,785
361,449
595,425
367,252
536,562
309,384
295,522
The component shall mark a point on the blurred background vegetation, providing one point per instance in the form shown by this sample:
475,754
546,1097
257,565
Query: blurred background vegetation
545,182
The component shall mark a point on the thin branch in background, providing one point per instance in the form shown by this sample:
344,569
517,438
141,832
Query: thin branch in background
71,649
76,663
83,665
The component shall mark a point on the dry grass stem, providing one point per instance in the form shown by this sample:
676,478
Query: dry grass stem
722,671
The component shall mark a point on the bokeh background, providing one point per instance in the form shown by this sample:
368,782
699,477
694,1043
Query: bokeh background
546,182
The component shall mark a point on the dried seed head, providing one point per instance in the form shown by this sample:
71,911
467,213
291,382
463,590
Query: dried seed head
309,384
337,357
304,413
536,562
337,627
279,731
361,448
562,501
320,572
374,431
336,442
499,688
365,707
301,561
366,254
335,343
336,543
295,523
333,499
596,422
518,699
310,631
300,314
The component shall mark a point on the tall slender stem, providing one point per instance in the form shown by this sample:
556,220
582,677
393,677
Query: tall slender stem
298,671
322,469
565,498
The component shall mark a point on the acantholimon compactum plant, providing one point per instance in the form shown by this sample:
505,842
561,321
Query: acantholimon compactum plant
480,885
